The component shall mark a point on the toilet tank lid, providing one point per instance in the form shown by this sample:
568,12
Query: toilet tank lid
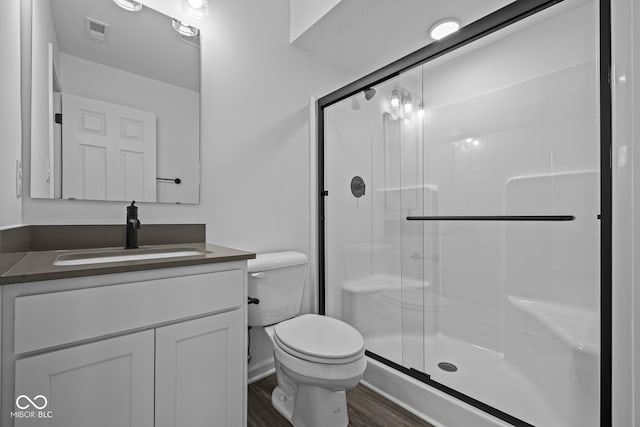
273,260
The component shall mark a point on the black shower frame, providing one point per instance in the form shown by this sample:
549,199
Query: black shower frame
495,21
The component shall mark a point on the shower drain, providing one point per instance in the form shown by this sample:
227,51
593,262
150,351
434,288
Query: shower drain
446,366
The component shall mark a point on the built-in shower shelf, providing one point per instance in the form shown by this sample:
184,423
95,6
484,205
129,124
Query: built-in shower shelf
408,293
430,187
578,327
382,282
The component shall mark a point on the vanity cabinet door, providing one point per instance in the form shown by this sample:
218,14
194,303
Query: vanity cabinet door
199,372
102,384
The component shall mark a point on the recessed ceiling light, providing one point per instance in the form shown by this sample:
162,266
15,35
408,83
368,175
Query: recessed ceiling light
443,28
196,8
184,29
130,5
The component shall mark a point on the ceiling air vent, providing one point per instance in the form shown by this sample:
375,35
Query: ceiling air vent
96,30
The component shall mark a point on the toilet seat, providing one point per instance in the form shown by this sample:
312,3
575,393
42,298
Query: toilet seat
332,376
319,339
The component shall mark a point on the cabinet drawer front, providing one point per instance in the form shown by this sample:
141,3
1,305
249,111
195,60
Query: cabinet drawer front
53,319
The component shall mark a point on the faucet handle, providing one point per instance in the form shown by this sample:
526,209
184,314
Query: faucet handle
132,210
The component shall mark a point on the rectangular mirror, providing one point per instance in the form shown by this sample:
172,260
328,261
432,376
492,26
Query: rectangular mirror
115,104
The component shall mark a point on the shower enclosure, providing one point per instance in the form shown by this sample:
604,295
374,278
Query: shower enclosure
463,214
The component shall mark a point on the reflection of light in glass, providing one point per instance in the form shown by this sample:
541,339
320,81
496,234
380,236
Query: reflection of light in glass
355,105
131,6
407,104
443,28
196,8
468,143
421,110
184,29
395,99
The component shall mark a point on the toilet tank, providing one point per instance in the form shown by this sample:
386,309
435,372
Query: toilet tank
277,279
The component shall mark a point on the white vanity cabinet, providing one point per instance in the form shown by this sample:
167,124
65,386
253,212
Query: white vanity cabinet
197,366
154,348
102,384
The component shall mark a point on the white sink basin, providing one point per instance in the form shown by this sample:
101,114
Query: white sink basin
125,255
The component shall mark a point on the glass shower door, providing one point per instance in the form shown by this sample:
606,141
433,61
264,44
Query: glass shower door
511,148
462,230
374,180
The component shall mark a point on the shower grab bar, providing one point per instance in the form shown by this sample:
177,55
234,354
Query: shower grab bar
493,218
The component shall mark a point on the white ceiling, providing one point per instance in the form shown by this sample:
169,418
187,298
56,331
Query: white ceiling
360,36
141,42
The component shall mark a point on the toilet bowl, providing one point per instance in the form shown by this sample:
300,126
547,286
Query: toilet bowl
312,381
317,358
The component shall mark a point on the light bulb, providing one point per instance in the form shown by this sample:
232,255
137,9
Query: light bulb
131,6
406,103
184,29
395,99
421,109
196,8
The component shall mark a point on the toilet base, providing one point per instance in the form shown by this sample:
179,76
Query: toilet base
313,406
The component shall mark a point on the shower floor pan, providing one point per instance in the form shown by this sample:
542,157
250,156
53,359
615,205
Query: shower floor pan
481,373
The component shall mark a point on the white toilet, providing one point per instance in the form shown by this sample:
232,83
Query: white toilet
317,357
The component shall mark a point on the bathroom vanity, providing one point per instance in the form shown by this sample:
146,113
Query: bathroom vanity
147,342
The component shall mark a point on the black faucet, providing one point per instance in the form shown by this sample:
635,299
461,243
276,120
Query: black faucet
133,224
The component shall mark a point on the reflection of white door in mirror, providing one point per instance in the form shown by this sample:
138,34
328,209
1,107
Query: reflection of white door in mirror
108,151
45,176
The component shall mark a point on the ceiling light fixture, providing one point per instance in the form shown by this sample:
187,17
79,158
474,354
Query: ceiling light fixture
184,29
442,29
130,5
196,8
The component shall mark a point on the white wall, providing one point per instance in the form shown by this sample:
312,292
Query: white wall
305,13
10,132
255,183
626,205
176,109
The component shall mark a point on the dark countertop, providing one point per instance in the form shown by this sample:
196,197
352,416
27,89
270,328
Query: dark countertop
38,265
